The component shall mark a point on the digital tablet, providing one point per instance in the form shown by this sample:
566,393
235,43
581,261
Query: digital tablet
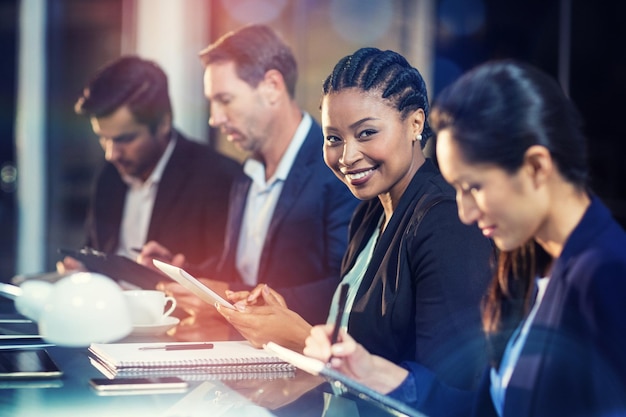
116,267
192,284
153,383
317,367
27,364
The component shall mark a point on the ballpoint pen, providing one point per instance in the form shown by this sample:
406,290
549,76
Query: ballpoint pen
189,346
343,297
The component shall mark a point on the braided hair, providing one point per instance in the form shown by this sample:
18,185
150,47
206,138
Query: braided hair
387,71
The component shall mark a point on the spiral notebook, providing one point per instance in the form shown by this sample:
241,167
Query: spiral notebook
116,360
196,374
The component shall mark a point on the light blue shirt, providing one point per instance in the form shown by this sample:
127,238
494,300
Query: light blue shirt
500,379
261,202
353,278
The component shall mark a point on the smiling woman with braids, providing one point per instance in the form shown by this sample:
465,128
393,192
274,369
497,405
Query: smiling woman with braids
416,273
512,145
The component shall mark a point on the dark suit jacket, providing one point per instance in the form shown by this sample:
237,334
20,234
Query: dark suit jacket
574,360
307,235
190,208
420,295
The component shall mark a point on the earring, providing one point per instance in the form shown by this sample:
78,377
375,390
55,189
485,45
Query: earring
418,137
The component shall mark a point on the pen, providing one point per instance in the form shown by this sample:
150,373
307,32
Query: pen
190,346
160,258
343,297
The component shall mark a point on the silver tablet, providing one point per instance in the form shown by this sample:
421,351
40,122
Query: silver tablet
192,284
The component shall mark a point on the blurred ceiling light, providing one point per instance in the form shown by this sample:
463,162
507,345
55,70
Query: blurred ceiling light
461,17
361,21
254,11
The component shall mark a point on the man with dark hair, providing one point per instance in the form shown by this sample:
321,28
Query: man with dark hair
156,185
289,215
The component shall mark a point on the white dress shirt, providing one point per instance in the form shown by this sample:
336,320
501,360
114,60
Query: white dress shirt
261,202
138,206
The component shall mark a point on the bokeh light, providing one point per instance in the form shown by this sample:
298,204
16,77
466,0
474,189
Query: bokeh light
360,21
254,11
462,17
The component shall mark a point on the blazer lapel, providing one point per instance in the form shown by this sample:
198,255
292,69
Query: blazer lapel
174,176
525,377
292,188
394,230
297,178
237,204
113,191
524,380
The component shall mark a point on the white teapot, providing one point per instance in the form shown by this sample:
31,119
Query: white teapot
79,309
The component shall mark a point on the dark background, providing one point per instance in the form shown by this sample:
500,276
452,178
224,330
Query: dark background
80,35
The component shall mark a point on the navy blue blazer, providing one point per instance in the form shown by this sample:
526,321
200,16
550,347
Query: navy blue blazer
307,235
574,360
190,208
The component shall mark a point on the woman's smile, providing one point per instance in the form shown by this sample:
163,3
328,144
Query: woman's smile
359,177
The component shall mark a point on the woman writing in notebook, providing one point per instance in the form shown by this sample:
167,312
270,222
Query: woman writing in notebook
511,144
416,273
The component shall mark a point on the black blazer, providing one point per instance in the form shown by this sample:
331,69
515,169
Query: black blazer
420,295
190,209
307,235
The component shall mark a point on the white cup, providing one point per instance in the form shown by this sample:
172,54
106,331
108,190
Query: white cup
147,306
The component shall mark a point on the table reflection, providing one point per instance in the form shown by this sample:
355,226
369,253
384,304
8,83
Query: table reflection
288,394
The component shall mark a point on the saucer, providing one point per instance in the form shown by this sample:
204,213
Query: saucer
155,329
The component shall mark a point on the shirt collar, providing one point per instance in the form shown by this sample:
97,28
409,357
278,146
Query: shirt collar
256,170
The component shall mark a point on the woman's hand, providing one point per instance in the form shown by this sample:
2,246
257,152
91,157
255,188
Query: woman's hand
271,321
347,356
256,297
350,358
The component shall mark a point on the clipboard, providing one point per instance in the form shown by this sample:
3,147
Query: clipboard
192,284
116,267
317,367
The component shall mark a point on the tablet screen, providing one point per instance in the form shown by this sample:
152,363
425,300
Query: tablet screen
192,284
26,363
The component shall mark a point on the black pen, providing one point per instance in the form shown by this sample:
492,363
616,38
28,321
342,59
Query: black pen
189,346
341,306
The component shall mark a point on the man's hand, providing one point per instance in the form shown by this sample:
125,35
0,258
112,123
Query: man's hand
69,264
154,250
204,322
188,301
